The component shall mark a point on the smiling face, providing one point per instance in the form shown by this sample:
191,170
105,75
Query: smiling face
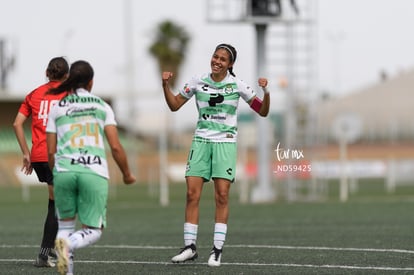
220,63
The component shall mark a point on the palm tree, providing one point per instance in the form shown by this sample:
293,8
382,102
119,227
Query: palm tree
169,47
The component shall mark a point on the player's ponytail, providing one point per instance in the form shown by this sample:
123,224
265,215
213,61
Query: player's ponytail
231,71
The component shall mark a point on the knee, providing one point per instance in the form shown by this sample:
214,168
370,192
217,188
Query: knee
222,198
193,196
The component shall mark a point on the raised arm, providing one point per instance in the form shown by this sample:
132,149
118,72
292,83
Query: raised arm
174,102
261,106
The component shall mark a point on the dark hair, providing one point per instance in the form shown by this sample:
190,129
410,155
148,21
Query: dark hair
80,74
57,68
232,52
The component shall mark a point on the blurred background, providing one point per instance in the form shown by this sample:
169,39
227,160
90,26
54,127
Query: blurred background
340,75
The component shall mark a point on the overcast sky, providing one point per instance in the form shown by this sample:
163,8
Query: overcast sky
370,35
357,39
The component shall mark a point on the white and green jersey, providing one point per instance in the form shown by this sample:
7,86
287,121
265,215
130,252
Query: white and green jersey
217,104
78,121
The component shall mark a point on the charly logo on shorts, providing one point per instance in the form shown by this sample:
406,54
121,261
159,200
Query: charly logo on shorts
229,171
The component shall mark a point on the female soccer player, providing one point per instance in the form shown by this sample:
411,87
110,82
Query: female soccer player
75,143
37,105
213,151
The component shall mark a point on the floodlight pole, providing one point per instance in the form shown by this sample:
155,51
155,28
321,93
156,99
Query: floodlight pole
130,87
163,152
263,192
343,182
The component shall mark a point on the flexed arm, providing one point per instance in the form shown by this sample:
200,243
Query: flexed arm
174,102
261,106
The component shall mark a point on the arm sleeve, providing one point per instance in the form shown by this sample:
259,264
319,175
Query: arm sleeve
25,108
110,116
189,88
246,92
51,121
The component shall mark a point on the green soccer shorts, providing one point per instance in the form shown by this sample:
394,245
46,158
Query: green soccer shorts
81,194
212,160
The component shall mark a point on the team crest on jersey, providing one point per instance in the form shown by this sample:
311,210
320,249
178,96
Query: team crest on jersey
228,89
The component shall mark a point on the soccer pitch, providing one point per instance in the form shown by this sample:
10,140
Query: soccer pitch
370,234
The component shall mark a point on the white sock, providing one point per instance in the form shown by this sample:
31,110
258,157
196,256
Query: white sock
84,237
190,233
220,231
65,229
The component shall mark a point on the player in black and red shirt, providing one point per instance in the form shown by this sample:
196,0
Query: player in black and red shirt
37,106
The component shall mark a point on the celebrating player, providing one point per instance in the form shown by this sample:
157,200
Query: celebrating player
213,151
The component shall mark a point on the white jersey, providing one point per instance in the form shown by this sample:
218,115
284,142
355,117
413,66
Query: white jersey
78,121
217,104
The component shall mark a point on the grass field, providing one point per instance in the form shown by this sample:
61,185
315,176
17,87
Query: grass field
370,234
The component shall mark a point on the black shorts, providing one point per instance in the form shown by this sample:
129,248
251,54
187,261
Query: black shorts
43,172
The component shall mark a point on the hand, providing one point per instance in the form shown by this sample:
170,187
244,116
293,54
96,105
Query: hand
129,179
262,82
166,76
27,168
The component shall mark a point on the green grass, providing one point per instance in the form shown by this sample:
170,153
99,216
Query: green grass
370,234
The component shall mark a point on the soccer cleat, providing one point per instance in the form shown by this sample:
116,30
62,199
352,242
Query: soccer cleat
62,251
188,253
43,262
215,257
